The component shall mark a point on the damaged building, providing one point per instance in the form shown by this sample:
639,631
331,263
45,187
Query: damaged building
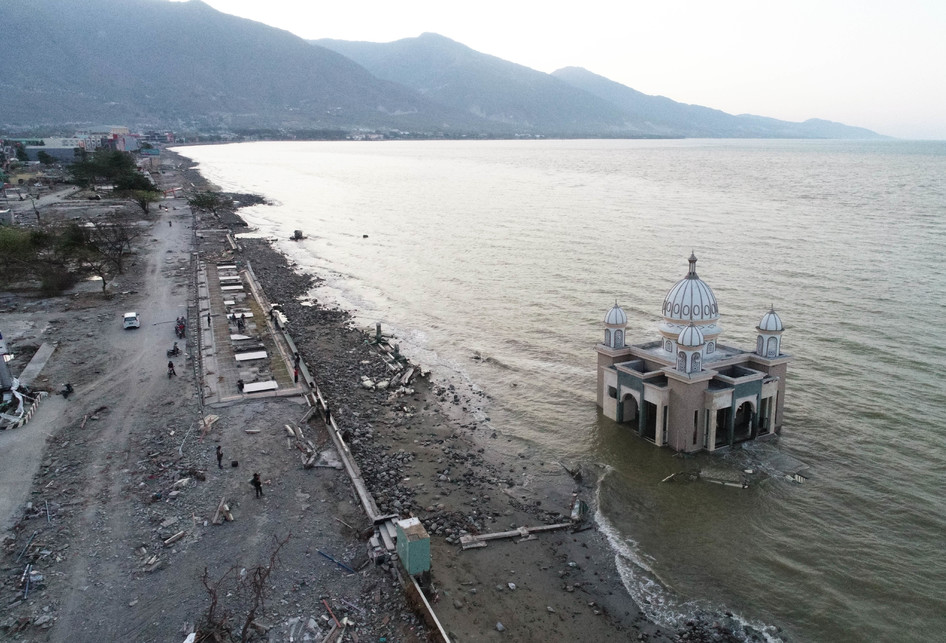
686,390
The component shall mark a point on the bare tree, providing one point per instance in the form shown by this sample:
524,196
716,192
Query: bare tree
112,236
247,587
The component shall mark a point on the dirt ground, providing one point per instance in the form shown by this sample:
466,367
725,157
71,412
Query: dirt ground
131,483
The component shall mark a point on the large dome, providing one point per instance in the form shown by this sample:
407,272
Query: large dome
691,300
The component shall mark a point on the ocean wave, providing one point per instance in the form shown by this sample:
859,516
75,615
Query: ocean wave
653,595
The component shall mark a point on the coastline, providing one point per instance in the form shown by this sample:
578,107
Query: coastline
130,486
432,462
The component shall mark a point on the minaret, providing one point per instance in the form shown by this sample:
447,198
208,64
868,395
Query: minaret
690,345
769,340
615,325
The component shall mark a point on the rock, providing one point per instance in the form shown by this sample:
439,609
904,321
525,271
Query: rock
511,586
500,627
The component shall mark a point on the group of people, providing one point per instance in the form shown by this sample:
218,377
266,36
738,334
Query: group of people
256,481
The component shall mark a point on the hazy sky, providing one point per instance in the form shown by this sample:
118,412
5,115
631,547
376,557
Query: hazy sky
873,63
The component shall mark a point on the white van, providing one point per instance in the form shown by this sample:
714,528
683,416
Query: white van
131,320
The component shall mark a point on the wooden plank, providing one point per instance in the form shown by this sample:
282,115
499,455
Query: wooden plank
245,357
256,387
388,542
231,288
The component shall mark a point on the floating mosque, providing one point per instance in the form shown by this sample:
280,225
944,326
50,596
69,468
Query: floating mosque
686,390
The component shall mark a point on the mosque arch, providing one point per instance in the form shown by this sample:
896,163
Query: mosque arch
742,422
630,409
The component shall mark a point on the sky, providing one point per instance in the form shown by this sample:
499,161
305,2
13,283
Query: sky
877,64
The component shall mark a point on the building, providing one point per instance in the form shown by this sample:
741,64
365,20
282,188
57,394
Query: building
686,390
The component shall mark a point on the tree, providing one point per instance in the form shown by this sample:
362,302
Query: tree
21,153
211,201
144,198
247,589
46,158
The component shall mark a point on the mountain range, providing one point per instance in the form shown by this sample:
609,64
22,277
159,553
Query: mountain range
159,64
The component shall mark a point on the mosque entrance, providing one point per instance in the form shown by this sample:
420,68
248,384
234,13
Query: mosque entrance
649,429
742,424
630,412
722,428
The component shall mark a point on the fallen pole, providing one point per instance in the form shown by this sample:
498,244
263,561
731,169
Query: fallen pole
342,565
471,542
324,602
28,543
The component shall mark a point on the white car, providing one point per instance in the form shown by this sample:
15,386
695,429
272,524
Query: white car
131,320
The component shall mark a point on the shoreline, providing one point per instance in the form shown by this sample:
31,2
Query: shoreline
499,503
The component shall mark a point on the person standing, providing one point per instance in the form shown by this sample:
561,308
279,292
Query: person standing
219,457
257,484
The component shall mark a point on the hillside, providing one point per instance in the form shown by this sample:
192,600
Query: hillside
157,62
568,101
666,116
455,76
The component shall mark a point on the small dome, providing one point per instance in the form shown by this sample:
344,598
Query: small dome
691,299
771,322
691,337
616,316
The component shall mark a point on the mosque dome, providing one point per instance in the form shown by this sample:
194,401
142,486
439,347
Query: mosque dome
771,322
616,316
691,300
691,337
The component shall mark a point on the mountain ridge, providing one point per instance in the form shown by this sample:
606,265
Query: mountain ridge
154,63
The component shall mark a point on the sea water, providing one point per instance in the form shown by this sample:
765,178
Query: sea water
496,261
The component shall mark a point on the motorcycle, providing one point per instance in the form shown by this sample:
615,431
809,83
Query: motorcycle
66,391
181,327
174,350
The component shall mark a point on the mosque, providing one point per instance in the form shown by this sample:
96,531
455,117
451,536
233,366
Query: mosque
685,390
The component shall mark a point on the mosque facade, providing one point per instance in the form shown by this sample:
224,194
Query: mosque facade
685,389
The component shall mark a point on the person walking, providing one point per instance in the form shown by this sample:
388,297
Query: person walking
219,457
295,374
257,484
171,370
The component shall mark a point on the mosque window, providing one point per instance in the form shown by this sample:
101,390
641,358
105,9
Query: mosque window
686,310
612,393
681,361
668,346
758,345
619,339
607,336
773,347
676,309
